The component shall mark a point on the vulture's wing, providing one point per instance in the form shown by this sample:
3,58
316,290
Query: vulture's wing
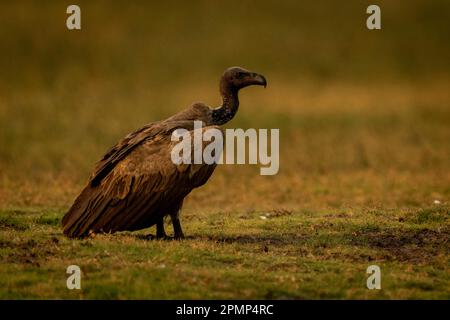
121,149
136,181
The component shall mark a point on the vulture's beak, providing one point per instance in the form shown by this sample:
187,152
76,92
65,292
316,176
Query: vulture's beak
258,79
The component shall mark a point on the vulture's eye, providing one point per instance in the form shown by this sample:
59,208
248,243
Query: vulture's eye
240,75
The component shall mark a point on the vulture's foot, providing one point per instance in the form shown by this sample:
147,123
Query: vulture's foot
165,237
162,236
179,236
149,237
153,237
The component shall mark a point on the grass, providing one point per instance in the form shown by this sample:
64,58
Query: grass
364,156
287,255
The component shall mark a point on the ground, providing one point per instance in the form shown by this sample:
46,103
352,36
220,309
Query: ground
280,254
364,125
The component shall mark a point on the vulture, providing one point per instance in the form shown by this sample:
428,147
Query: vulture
136,185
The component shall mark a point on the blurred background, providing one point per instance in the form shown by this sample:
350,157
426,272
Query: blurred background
364,115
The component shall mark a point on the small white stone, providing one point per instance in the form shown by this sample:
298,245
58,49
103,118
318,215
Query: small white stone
437,202
263,217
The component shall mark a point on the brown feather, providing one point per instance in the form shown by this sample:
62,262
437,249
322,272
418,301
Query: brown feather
137,190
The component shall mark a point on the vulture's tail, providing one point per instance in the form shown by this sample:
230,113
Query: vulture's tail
78,221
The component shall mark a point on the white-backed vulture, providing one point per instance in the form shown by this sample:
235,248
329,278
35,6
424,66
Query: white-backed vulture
135,185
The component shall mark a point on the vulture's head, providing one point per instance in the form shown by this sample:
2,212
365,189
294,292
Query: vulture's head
236,78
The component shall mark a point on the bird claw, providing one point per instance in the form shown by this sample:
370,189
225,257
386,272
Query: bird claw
157,237
149,237
163,237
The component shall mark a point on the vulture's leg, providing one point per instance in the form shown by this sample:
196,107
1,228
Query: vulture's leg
160,232
178,232
175,217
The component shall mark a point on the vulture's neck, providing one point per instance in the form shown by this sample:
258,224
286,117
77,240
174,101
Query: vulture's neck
229,107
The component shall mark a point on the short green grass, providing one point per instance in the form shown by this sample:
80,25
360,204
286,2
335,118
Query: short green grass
279,254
